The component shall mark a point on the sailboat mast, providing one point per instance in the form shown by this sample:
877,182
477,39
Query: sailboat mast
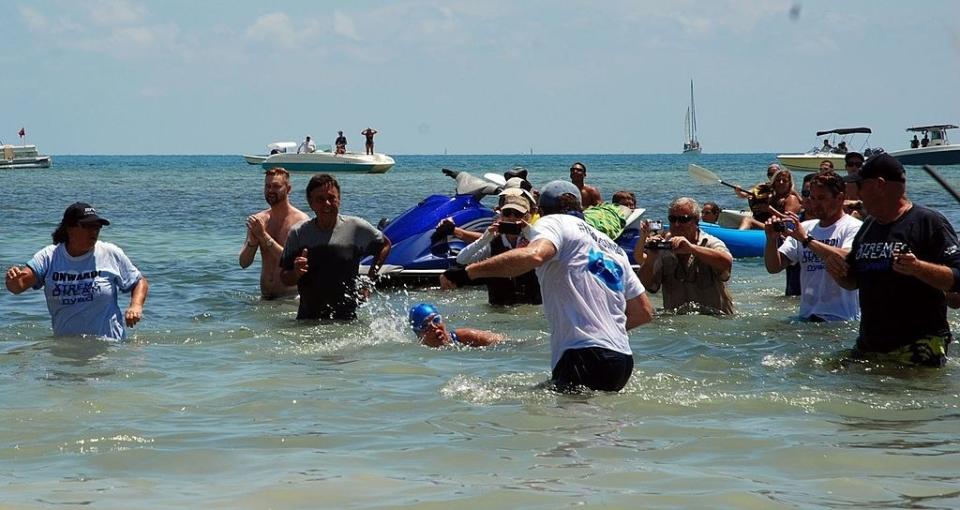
693,115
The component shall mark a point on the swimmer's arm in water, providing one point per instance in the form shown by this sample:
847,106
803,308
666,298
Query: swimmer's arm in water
477,337
19,279
514,262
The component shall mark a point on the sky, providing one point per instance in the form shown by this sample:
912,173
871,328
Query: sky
472,77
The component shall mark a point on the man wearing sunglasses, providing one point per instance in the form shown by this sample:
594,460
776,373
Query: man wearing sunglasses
692,267
903,259
428,325
591,297
809,242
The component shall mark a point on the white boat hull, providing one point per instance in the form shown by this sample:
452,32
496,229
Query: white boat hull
22,156
330,162
253,159
810,162
931,155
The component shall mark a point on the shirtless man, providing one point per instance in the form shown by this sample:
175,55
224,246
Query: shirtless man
589,196
267,231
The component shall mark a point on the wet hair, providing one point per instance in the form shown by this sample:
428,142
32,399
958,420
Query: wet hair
686,201
829,181
321,180
575,163
60,234
621,196
279,172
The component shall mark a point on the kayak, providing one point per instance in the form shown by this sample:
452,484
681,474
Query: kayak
741,243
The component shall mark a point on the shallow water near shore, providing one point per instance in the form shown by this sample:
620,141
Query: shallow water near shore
222,400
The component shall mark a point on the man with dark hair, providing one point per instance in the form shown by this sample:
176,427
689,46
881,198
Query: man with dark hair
589,195
625,198
902,261
853,161
340,143
321,256
710,212
591,297
808,242
267,232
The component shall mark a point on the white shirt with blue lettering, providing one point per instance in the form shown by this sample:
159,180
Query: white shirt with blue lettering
585,286
82,291
820,294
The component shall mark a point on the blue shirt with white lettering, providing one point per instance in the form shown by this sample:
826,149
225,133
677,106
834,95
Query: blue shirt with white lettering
82,291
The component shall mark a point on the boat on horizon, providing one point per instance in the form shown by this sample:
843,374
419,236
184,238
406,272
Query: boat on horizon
326,161
691,145
833,149
272,148
937,151
22,156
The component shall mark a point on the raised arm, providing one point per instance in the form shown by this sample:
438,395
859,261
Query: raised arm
514,262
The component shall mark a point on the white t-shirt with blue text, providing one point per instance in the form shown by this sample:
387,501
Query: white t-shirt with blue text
82,291
820,293
585,286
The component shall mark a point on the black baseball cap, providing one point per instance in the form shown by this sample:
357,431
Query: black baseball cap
881,165
79,213
851,155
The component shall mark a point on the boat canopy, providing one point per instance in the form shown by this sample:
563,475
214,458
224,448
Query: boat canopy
931,128
845,131
282,145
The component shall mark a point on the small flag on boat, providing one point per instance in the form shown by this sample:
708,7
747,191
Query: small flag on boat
23,132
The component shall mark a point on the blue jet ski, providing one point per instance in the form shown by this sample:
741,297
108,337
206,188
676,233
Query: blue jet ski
419,252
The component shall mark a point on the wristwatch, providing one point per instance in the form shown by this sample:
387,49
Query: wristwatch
806,242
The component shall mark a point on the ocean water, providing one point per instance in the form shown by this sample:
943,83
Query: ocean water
221,400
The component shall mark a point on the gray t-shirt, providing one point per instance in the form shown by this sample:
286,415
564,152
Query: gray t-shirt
693,282
329,288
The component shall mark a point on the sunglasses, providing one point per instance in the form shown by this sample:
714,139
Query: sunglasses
679,219
433,320
511,213
91,226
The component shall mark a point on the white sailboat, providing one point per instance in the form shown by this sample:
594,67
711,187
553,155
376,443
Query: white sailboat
691,145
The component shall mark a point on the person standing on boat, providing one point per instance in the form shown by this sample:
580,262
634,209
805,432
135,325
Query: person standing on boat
267,232
307,146
340,143
83,277
591,296
321,256
368,133
809,242
589,195
915,143
903,260
692,268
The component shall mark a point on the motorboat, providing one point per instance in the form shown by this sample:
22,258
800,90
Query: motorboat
22,156
326,161
420,253
690,144
933,149
272,148
833,149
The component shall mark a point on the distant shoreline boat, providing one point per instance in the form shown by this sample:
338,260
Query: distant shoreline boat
691,145
323,161
937,151
272,148
22,156
835,152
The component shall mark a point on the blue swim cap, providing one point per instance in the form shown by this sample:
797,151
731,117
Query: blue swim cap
419,313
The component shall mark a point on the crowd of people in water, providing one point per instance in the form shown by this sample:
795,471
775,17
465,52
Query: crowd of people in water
854,248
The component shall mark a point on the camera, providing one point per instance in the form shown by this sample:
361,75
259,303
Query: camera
510,228
782,226
655,225
902,249
658,244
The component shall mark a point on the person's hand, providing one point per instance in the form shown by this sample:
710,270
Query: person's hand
300,264
15,272
797,232
770,226
446,284
645,229
681,245
906,263
257,227
133,315
836,265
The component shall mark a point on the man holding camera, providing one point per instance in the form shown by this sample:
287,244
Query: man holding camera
692,266
809,243
903,259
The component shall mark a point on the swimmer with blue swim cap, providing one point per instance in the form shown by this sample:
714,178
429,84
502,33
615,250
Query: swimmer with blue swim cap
427,323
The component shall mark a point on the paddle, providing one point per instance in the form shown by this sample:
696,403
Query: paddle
705,176
936,176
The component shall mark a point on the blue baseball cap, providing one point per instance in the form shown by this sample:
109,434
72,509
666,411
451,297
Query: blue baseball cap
420,313
550,194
